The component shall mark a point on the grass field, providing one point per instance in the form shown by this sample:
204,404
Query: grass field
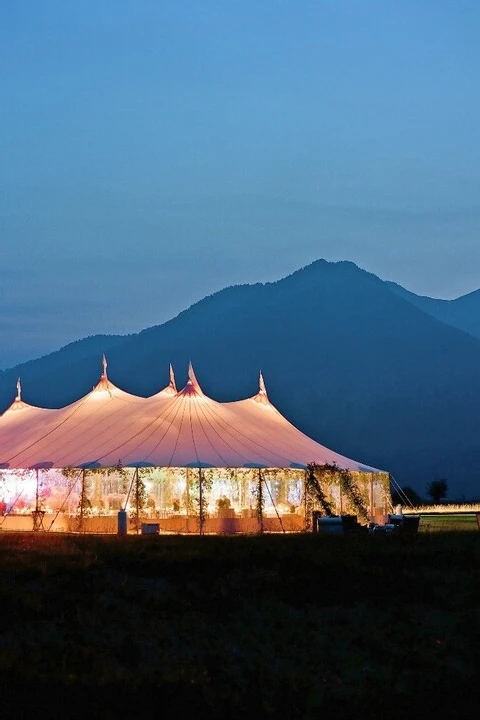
298,626
448,522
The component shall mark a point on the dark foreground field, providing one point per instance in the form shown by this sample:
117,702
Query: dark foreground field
218,627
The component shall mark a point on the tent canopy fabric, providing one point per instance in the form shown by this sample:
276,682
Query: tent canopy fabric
184,428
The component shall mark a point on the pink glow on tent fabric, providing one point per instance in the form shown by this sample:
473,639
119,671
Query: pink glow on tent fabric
170,429
18,403
170,389
261,396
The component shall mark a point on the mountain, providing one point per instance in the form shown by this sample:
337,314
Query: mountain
346,358
45,371
462,313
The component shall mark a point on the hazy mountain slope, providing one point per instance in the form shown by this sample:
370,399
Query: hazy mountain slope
40,375
462,313
350,362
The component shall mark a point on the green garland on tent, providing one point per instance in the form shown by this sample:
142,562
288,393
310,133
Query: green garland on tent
200,484
138,501
349,488
258,494
84,507
320,476
314,476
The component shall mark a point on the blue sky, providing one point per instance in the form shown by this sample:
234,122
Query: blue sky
154,152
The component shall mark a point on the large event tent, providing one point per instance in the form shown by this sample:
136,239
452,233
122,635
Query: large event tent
176,438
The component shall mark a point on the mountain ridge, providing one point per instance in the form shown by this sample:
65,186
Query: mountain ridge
346,358
462,312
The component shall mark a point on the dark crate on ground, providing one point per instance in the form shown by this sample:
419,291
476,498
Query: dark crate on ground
337,524
150,528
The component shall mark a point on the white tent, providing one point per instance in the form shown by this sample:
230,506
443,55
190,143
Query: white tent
172,428
173,436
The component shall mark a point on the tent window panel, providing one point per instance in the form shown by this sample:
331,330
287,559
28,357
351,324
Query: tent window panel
64,491
176,492
294,491
17,490
226,493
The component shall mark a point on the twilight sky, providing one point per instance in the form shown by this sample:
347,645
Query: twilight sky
154,152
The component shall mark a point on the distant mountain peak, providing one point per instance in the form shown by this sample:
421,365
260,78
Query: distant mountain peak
331,268
361,365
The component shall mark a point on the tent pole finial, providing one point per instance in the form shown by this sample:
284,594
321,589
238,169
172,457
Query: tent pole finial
192,379
261,385
173,384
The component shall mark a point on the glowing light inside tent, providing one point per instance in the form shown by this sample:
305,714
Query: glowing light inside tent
179,439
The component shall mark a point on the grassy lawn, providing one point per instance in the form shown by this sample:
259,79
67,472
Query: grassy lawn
448,522
297,626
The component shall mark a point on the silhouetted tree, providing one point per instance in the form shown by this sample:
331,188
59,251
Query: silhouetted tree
398,498
437,490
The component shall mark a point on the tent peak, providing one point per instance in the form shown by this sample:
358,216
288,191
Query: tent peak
171,388
192,379
18,403
261,396
262,390
103,383
192,387
172,384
